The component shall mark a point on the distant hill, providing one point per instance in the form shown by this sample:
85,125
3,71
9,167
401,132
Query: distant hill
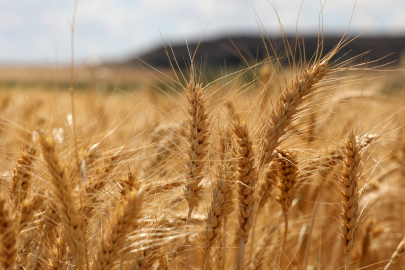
215,53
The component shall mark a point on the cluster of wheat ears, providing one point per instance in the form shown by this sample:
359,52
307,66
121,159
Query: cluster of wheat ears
301,167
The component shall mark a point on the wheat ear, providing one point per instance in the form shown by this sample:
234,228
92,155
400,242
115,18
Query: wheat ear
288,104
288,185
24,252
128,183
8,236
350,198
198,140
59,254
198,137
63,197
247,178
98,182
21,181
398,252
221,204
28,209
121,225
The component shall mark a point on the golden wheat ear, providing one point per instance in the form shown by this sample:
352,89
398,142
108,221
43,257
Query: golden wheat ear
8,236
309,81
59,253
221,204
198,138
246,181
198,142
62,195
350,199
122,223
21,181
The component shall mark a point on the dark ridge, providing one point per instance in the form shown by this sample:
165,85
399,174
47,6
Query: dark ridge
242,50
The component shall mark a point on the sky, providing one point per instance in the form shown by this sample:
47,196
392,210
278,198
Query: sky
38,31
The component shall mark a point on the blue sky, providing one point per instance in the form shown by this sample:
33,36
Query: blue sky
37,31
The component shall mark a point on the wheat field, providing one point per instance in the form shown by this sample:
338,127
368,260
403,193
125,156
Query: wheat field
288,163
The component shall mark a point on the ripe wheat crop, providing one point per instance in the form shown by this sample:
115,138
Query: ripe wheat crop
301,167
